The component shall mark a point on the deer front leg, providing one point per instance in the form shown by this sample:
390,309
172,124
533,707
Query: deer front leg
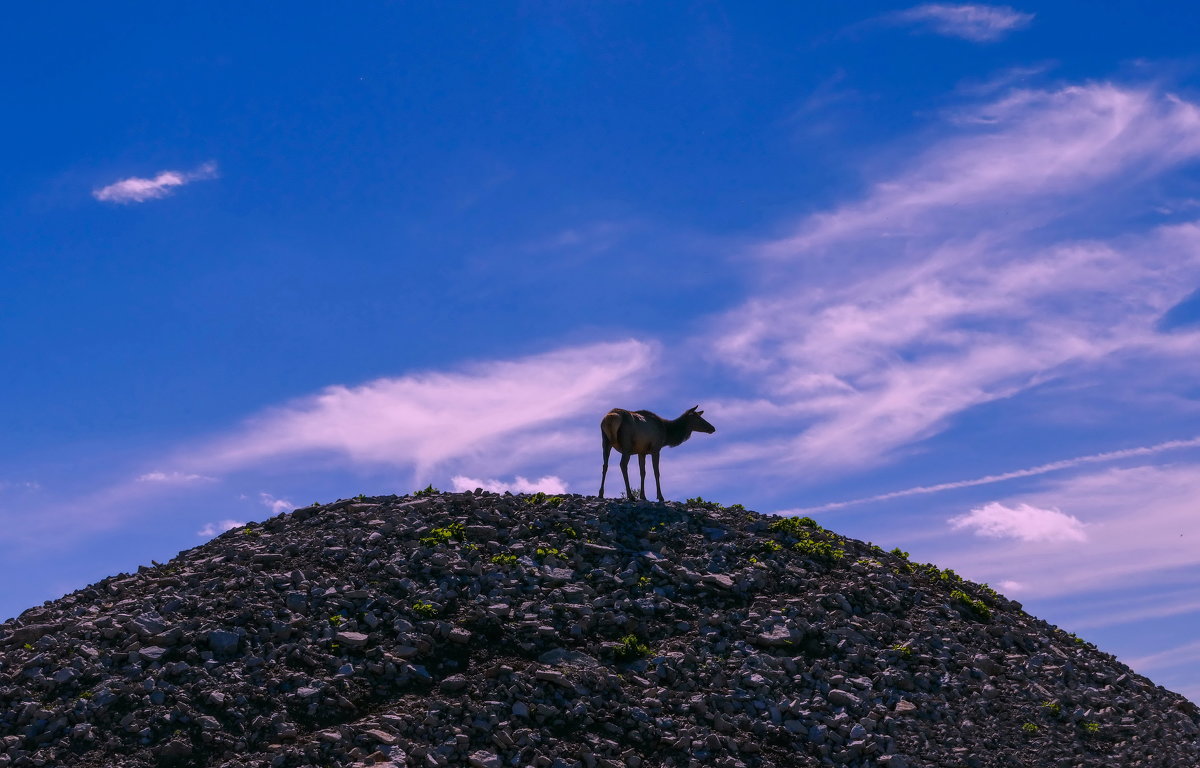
642,467
657,477
604,471
625,474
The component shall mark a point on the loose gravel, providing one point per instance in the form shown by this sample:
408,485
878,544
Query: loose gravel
475,629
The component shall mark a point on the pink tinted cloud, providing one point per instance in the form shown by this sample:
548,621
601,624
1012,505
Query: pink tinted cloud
139,190
1141,525
503,409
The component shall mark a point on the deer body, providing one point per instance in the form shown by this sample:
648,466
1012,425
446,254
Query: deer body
642,433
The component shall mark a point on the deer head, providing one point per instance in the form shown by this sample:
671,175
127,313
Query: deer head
695,421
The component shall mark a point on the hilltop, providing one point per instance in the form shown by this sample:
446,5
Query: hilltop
487,630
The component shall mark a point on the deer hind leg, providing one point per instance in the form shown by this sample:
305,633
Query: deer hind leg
607,451
625,474
642,467
657,477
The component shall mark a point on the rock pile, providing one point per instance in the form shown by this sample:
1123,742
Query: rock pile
484,630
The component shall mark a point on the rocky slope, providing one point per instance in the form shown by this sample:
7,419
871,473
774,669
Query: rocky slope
485,630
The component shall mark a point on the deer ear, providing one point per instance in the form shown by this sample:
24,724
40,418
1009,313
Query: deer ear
699,413
693,408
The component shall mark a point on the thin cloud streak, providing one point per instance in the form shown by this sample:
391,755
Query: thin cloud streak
1041,469
139,190
977,23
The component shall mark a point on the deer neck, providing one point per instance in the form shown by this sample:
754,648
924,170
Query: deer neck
677,431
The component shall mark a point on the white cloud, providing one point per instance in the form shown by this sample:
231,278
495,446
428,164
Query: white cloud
1023,521
277,506
1142,530
212,529
498,414
178,478
548,484
978,23
139,190
1009,586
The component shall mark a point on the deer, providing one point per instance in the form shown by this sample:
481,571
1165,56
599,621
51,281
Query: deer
645,432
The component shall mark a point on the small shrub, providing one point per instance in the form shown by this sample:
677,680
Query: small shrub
700,502
794,526
426,610
737,508
541,498
428,490
900,553
568,531
548,552
1090,728
643,582
28,646
1052,707
1030,728
336,619
444,534
904,649
632,648
976,606
819,550
505,559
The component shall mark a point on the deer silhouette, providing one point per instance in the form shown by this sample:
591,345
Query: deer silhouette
645,432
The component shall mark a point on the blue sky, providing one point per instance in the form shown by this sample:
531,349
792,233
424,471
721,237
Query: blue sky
933,271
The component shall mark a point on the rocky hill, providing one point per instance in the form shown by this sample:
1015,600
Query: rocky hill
486,630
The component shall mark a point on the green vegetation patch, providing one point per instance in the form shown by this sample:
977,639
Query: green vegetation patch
426,610
505,559
632,648
428,490
540,498
444,534
819,550
799,527
977,606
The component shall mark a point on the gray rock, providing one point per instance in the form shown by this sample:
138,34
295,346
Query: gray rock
352,639
223,642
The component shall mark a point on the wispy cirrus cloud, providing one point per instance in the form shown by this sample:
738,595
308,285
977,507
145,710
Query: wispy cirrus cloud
177,478
1021,521
939,290
138,190
547,484
509,411
1000,477
969,21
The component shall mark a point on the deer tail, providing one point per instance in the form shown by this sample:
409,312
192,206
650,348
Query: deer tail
610,425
